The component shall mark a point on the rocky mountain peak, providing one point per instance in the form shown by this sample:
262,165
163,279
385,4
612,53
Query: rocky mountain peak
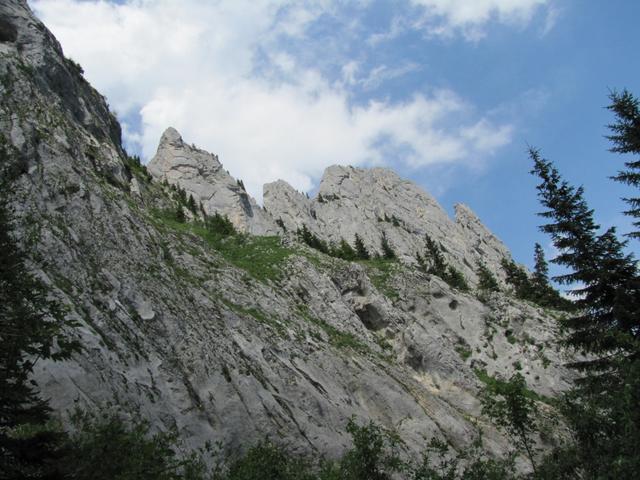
202,176
171,137
375,202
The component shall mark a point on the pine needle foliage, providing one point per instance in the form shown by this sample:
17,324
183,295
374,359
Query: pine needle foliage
606,277
32,327
625,136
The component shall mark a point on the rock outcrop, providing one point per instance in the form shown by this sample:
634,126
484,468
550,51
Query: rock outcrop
252,336
373,202
201,175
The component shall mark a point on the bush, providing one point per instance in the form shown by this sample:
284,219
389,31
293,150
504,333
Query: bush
106,448
220,225
267,461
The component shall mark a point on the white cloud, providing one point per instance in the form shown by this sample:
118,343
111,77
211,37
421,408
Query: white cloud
469,17
194,65
383,73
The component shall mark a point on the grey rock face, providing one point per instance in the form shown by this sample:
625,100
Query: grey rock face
201,174
251,336
373,202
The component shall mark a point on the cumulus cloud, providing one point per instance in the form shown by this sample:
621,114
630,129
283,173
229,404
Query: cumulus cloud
207,68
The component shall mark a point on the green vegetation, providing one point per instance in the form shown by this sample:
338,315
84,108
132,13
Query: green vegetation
386,249
537,288
107,448
343,250
259,315
32,327
337,338
486,281
380,271
625,137
456,279
464,351
361,250
261,257
511,409
134,167
311,239
433,263
220,225
602,409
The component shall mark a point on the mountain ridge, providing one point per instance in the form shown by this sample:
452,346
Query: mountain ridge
241,337
369,202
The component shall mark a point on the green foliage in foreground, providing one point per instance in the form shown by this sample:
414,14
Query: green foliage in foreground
32,327
108,448
511,408
601,410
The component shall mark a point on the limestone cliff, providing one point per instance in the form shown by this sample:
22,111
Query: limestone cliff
373,202
202,176
233,339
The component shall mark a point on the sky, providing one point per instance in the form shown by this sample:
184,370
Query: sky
448,93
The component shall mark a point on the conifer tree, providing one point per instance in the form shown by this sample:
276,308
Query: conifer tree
346,251
456,279
433,261
311,239
541,268
602,410
626,139
517,277
32,327
385,247
361,249
191,205
606,276
486,281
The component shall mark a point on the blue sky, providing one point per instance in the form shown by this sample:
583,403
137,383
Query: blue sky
449,93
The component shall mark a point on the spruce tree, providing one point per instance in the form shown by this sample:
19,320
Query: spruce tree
605,276
456,279
625,135
486,281
311,239
541,268
385,247
361,249
517,277
346,251
32,327
191,205
433,261
602,409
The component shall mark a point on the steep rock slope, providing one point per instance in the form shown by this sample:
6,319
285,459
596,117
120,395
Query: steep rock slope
238,338
373,202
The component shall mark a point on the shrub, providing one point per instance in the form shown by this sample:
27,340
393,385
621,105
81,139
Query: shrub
220,225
